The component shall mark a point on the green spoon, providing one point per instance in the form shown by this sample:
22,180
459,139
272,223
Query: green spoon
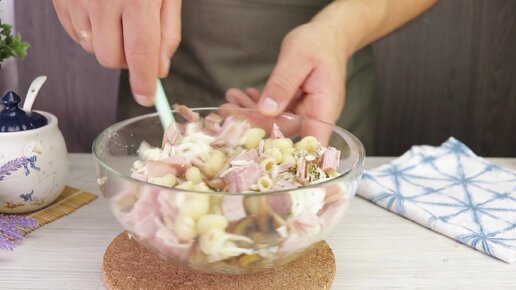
163,107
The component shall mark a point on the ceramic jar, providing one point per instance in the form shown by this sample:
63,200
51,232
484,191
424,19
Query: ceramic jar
33,164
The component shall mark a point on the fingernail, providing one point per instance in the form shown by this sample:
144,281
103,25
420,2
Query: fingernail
143,100
269,105
166,68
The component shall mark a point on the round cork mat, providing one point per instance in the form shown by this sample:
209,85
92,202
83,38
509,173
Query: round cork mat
127,265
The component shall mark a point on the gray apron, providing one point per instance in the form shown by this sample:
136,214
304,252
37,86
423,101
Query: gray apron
235,43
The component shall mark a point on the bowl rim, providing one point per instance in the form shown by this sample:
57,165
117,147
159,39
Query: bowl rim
340,131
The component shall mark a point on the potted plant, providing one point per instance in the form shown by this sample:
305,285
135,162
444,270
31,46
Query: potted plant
11,45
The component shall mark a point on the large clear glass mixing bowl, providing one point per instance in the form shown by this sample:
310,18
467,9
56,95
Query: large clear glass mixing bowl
275,227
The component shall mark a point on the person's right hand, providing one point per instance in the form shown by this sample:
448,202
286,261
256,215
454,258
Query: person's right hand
141,35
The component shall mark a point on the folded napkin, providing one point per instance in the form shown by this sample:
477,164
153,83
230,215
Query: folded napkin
451,191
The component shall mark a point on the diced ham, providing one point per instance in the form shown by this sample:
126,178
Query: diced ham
160,169
224,169
233,207
334,192
301,168
240,178
303,231
169,204
212,123
234,181
280,203
186,113
179,163
228,170
146,227
214,117
330,159
331,214
144,221
284,185
285,167
144,213
232,131
171,135
147,203
177,160
276,132
218,143
167,243
196,161
306,222
250,155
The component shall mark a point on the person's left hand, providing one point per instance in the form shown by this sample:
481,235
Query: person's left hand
308,79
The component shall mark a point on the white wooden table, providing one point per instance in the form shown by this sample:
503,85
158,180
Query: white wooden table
375,249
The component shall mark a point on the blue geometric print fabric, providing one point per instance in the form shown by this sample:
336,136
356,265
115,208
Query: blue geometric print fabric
451,191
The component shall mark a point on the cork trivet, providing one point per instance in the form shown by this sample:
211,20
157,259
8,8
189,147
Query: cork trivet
127,265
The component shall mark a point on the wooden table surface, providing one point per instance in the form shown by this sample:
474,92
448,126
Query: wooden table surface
375,249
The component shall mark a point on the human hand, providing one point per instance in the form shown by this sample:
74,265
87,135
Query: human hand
308,79
309,76
139,35
310,73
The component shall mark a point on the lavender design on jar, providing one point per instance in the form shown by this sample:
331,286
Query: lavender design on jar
15,164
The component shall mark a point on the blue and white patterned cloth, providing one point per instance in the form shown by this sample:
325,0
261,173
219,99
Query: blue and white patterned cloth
451,191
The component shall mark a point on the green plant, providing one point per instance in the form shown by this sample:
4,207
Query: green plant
11,45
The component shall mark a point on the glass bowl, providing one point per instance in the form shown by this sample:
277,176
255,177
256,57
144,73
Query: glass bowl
271,229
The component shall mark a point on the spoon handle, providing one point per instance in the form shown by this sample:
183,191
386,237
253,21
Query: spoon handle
36,84
163,107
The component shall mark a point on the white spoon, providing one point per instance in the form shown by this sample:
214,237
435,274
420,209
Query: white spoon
36,84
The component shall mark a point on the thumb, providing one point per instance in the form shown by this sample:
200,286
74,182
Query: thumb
287,77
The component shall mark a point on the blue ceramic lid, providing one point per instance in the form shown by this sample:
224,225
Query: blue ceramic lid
14,119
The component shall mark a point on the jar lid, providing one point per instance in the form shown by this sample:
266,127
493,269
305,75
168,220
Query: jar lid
14,119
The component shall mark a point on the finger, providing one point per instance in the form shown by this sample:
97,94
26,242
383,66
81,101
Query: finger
285,80
239,98
252,116
227,107
294,103
106,30
254,94
141,30
323,100
82,27
289,124
319,123
324,94
170,33
64,18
